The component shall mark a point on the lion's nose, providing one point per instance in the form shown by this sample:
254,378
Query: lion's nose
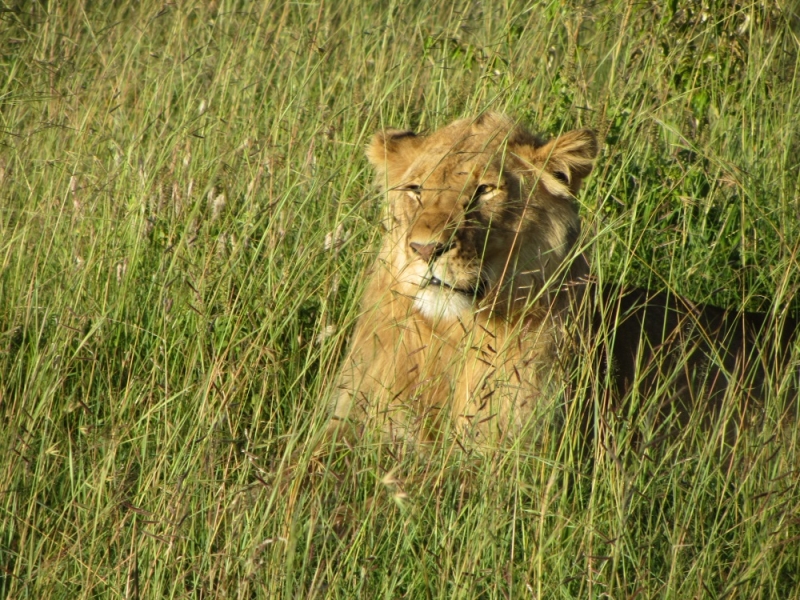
428,251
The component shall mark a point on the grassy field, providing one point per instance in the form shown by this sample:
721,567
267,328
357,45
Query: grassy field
186,215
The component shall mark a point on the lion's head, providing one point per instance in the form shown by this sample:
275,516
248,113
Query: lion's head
481,212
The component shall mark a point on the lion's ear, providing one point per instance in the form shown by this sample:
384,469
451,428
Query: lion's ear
569,158
391,152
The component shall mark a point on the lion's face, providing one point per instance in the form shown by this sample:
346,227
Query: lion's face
481,213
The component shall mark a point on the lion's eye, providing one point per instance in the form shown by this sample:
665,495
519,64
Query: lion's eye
413,190
483,191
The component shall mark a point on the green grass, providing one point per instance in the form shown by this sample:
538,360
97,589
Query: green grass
186,216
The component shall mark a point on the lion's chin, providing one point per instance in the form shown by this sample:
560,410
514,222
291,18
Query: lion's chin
442,304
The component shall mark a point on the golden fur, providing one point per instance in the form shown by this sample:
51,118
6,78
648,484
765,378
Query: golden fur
460,319
478,279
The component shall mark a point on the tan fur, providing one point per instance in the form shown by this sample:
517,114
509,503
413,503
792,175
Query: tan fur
480,354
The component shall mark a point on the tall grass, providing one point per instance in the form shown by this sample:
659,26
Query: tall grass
186,217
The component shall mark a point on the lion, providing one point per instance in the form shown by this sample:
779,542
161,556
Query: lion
479,299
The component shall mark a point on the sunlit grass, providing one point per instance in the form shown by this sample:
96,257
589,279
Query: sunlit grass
186,217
